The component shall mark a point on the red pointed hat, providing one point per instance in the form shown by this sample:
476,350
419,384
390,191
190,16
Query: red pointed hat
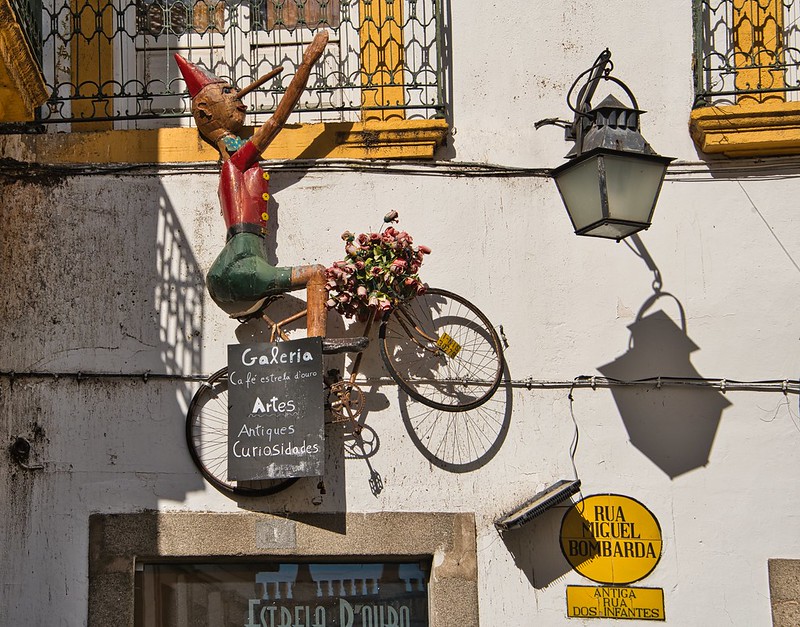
196,77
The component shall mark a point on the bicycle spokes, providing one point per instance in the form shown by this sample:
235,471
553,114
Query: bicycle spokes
442,351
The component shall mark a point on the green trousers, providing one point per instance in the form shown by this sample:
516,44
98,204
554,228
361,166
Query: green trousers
241,275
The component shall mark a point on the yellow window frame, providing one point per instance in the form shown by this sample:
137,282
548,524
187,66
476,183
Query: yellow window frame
759,124
22,86
382,133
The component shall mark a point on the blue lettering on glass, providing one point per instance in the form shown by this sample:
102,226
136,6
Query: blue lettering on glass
333,583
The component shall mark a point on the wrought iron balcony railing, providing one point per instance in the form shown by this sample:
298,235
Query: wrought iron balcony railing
746,51
109,63
29,14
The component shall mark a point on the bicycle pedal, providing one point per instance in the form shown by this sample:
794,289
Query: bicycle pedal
336,345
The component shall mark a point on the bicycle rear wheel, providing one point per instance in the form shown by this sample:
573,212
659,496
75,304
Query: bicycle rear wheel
207,439
442,351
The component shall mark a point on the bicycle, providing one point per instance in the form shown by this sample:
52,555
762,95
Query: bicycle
439,348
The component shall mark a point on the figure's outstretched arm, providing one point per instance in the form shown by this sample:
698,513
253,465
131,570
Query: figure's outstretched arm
264,135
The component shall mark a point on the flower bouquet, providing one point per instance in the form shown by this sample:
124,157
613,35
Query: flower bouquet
378,272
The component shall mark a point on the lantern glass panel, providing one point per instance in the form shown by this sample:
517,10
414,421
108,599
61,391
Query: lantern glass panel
580,189
611,230
633,184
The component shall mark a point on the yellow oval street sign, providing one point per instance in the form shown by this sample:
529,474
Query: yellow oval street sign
610,538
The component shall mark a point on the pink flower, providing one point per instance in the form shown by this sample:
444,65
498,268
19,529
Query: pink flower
398,265
378,272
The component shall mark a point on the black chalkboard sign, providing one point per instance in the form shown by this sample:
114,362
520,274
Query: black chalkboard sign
276,419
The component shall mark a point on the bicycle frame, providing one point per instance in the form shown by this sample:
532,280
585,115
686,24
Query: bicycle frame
277,332
416,331
406,322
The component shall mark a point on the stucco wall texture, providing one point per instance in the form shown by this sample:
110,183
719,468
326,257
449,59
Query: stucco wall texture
104,272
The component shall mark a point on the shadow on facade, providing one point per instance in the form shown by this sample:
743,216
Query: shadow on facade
178,301
536,548
673,426
460,441
102,290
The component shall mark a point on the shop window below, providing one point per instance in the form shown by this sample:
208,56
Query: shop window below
282,592
183,568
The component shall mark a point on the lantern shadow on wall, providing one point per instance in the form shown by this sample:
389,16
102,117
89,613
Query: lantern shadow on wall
673,426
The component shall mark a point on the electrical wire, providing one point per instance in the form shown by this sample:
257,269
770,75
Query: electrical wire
785,386
80,375
573,447
777,168
18,170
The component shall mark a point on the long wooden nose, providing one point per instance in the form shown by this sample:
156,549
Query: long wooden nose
258,83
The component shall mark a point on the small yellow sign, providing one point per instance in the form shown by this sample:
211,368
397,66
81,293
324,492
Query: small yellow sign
448,345
615,602
610,538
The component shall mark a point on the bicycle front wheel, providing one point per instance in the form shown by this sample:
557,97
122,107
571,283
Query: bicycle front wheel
442,351
207,439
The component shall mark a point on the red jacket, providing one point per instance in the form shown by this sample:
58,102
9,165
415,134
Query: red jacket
244,192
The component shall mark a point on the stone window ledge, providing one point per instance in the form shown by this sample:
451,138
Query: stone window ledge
394,139
784,591
751,130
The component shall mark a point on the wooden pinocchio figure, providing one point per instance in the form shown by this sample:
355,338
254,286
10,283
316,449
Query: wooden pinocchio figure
241,278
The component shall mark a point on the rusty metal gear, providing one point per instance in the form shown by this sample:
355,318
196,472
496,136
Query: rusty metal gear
347,401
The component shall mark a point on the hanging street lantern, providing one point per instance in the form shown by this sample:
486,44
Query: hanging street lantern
611,182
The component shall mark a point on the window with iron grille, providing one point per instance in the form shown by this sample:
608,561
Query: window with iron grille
746,51
109,63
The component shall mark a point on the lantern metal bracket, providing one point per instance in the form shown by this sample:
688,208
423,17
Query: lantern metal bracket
575,131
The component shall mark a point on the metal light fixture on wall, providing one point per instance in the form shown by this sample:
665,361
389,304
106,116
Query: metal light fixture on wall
611,182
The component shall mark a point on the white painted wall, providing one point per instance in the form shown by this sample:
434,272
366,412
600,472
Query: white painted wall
104,273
